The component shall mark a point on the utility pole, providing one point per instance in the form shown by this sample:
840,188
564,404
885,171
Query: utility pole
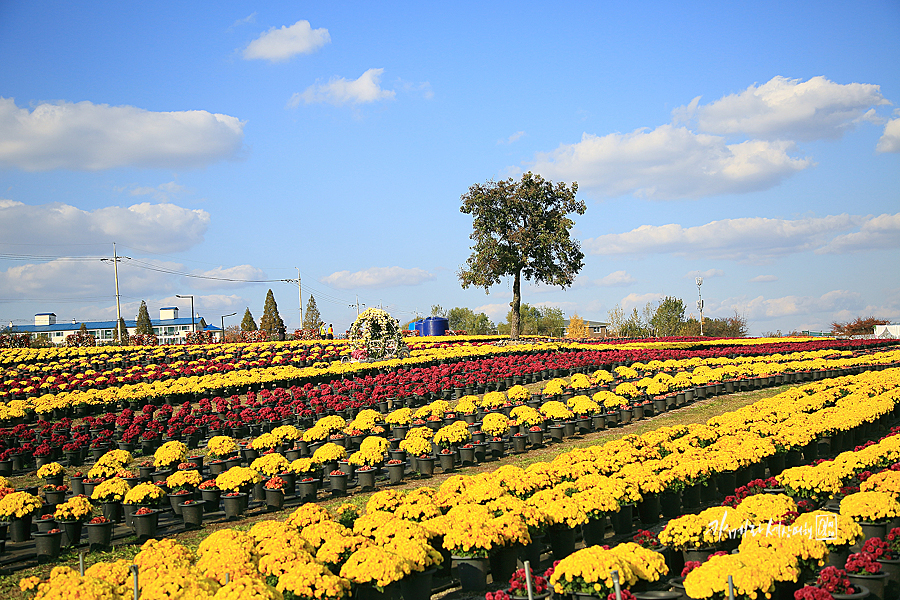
300,297
357,305
699,281
115,261
118,308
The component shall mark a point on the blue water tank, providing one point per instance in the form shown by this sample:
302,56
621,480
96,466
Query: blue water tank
435,326
418,326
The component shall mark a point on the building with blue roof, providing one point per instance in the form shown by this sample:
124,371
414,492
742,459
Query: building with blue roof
169,328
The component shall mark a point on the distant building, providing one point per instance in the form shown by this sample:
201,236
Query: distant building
169,328
596,329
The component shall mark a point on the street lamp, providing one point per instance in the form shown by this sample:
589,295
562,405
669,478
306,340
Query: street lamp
699,281
193,326
223,324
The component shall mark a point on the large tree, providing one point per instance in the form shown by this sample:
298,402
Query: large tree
858,326
144,325
247,323
311,317
669,317
271,321
465,319
521,228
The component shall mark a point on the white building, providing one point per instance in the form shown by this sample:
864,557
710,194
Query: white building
169,328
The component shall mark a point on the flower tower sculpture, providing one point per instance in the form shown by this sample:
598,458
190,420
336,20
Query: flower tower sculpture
376,325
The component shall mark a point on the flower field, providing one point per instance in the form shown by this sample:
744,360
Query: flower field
233,429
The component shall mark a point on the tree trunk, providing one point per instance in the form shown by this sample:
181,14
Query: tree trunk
516,319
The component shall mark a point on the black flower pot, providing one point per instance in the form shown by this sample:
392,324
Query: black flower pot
536,438
99,535
306,490
396,473
71,533
338,483
234,505
47,545
594,531
562,541
175,501
518,443
192,514
366,479
20,529
425,465
211,498
145,526
622,520
448,461
45,525
480,452
112,510
498,448
274,500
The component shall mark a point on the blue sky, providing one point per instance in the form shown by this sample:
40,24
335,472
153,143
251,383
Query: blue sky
756,145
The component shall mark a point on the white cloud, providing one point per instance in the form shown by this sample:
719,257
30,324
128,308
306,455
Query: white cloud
251,18
423,88
495,312
890,139
152,227
93,137
378,277
708,274
669,162
882,231
616,279
764,278
67,279
278,44
514,137
746,239
639,300
339,91
786,108
761,308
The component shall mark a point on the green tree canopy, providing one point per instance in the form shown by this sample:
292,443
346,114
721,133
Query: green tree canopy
734,326
247,323
467,320
669,317
144,325
311,317
534,320
522,229
271,321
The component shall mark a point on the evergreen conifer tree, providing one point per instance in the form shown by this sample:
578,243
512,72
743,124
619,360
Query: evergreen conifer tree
248,324
311,317
124,328
271,321
144,325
